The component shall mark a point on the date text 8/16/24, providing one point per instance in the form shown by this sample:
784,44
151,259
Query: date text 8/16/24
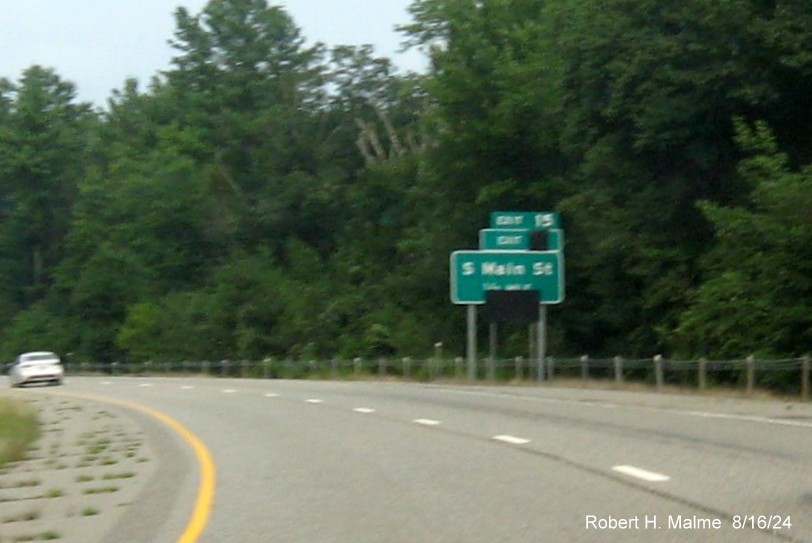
761,522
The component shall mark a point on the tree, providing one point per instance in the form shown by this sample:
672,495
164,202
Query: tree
646,93
43,142
757,285
245,80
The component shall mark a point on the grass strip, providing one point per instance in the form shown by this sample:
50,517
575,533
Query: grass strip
19,427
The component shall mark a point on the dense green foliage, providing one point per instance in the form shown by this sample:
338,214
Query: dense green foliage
264,197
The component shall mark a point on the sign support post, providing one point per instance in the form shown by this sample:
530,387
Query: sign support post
541,342
531,341
492,355
471,344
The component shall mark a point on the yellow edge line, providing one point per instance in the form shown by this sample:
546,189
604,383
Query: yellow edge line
205,493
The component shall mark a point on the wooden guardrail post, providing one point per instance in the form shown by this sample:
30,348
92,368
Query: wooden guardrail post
437,365
519,368
407,367
619,371
806,362
750,364
584,369
703,374
658,371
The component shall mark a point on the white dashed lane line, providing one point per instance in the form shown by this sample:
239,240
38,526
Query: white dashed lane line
643,474
364,410
229,391
314,400
427,422
271,395
513,440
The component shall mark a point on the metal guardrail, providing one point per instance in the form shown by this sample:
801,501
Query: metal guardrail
788,376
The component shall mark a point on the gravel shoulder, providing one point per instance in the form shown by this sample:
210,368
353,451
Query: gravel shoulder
97,473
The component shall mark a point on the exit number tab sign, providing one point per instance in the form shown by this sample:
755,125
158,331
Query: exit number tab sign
509,239
525,220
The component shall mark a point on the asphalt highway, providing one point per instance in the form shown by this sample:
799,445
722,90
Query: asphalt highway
375,462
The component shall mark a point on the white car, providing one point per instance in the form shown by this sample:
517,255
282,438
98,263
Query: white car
39,367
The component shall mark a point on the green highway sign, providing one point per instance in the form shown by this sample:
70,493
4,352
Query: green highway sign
498,239
525,220
473,273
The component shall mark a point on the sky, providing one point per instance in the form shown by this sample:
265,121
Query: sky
97,44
